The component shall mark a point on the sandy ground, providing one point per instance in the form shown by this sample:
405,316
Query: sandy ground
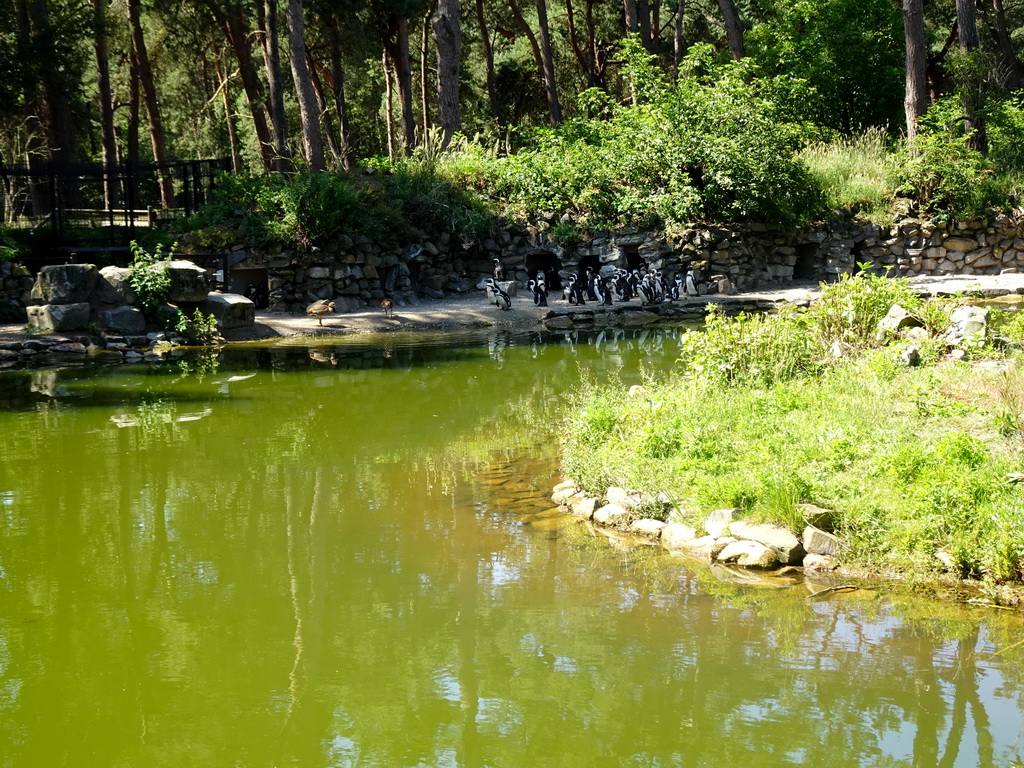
475,312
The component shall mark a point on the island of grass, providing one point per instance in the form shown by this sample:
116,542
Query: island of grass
910,434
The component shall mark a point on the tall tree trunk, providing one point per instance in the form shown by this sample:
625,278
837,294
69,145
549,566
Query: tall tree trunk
388,106
229,117
321,100
966,18
109,140
282,160
492,89
230,18
733,28
574,42
1011,69
57,108
554,107
156,128
425,120
312,141
631,15
643,12
448,39
403,74
338,86
915,101
543,60
677,39
597,62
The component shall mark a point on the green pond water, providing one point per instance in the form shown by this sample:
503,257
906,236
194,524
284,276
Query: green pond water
345,556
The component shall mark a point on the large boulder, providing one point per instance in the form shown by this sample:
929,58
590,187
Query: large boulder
230,309
64,283
113,288
122,319
785,543
188,281
967,325
677,536
749,554
59,317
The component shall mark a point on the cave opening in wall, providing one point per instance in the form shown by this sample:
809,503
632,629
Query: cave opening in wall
254,284
593,262
549,264
630,258
808,265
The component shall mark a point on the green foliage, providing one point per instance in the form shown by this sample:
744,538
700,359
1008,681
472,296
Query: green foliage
852,172
149,279
850,309
940,170
10,250
402,201
199,329
709,146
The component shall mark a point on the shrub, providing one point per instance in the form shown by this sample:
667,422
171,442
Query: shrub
198,329
852,171
149,279
850,309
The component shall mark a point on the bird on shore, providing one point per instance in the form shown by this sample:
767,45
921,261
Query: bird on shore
604,291
320,308
540,293
496,295
691,284
388,305
499,270
677,286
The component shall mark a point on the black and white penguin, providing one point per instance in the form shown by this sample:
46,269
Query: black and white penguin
646,292
621,280
489,288
501,299
677,286
590,282
540,293
499,270
604,291
634,283
691,285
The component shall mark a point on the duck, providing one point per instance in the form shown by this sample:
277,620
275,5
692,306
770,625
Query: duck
320,308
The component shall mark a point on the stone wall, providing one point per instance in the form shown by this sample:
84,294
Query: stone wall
356,273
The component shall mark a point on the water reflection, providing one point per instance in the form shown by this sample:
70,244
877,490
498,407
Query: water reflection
355,563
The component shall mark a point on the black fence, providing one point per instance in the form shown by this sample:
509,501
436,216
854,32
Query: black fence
90,205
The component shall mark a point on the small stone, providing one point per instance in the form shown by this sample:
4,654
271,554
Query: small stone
611,514
749,554
583,507
717,522
814,562
818,542
563,491
785,543
677,535
647,527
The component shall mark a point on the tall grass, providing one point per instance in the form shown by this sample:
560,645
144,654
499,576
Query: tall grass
852,172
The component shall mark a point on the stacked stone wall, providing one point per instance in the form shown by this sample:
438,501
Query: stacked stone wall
356,273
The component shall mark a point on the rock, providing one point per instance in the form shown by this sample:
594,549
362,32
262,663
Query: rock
231,310
896,320
786,545
113,287
560,322
70,348
639,318
583,506
820,563
717,522
647,527
622,497
64,283
563,491
967,325
909,356
59,317
749,554
189,282
960,244
818,542
122,319
611,514
822,518
677,535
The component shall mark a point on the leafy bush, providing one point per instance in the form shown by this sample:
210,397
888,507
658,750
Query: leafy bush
710,146
850,309
149,279
9,248
198,329
940,170
852,171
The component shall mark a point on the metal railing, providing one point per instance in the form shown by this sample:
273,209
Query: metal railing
103,205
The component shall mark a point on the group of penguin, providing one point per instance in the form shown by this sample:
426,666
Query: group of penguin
651,287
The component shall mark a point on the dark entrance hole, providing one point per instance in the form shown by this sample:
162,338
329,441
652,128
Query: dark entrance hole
630,254
251,283
547,263
807,262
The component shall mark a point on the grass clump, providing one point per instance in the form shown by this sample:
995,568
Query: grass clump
921,465
852,172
